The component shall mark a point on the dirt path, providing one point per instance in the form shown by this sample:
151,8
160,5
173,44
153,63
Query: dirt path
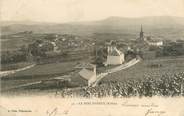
116,69
99,77
23,85
5,73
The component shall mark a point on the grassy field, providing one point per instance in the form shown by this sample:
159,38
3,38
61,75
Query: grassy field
143,68
47,69
14,66
13,43
169,65
37,73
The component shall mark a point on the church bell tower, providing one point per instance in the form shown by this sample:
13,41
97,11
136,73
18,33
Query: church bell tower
141,34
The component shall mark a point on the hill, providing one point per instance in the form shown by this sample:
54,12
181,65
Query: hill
168,26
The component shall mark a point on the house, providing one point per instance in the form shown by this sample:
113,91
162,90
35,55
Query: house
56,49
154,42
114,56
87,72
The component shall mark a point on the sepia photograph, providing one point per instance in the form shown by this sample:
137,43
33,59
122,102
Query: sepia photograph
127,54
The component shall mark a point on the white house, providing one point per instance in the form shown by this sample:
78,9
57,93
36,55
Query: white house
114,56
56,49
154,42
88,72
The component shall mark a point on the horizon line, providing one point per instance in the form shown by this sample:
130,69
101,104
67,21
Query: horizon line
34,21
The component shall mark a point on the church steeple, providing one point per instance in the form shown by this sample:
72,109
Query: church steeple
141,34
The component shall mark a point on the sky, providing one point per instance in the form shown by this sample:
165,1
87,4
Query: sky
86,10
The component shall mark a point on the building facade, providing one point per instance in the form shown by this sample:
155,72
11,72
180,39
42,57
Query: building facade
114,56
87,72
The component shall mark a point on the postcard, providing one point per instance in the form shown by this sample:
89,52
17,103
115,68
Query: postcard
92,58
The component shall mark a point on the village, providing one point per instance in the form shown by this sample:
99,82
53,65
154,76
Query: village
92,57
92,61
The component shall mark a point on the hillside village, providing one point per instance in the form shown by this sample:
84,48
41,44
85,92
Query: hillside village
91,59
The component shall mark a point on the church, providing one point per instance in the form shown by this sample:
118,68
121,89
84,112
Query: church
148,40
141,36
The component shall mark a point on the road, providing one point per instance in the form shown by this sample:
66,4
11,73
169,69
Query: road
23,85
99,77
116,69
5,73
